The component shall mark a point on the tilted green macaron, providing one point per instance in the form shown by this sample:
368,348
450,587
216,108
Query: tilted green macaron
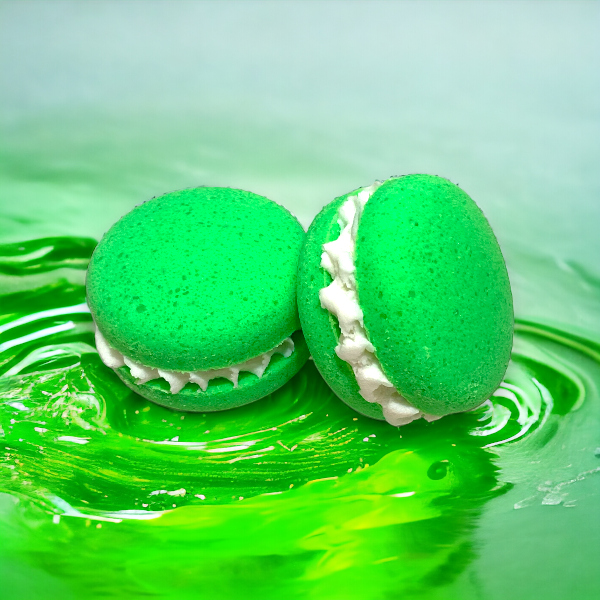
405,301
194,298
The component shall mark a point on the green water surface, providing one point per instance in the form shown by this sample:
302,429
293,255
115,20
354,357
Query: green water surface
104,494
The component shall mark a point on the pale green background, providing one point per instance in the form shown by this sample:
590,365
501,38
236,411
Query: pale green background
105,104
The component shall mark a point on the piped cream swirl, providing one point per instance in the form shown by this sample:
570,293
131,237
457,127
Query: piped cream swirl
341,299
178,379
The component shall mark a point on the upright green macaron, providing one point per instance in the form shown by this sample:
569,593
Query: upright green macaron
194,298
405,300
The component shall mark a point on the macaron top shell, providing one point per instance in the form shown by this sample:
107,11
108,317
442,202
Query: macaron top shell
435,294
197,279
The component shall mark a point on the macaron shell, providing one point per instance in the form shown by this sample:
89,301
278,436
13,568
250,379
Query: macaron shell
220,393
434,290
198,279
321,328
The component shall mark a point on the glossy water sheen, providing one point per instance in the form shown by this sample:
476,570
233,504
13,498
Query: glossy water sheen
103,494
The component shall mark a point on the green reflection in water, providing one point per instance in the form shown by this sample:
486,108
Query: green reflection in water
294,496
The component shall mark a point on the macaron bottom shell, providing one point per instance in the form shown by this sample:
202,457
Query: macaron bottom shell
321,327
220,394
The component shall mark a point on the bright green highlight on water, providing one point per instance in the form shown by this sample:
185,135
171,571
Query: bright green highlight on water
294,496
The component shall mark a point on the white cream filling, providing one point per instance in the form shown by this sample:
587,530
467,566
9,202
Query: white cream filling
177,379
341,299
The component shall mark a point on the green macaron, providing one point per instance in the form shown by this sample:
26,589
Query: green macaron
405,300
194,298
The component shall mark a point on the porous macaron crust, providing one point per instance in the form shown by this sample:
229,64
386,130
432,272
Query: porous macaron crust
199,279
434,291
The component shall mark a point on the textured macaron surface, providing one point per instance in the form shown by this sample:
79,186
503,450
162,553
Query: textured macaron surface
197,279
434,291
